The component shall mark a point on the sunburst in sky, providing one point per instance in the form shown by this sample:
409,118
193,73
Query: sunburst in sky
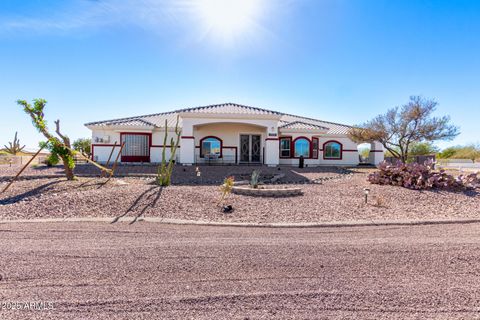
228,21
345,61
221,23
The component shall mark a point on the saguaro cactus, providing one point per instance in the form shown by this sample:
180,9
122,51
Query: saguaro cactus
14,147
164,174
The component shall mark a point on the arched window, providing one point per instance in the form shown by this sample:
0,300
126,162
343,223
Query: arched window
211,147
332,150
302,147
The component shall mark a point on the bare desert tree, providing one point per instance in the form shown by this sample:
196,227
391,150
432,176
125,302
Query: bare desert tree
401,127
14,147
56,146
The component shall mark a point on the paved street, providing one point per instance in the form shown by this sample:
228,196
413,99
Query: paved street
150,270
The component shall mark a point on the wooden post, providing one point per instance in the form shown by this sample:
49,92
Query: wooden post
116,161
74,152
111,153
110,157
23,169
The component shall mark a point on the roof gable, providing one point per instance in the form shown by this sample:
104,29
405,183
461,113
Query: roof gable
299,125
286,120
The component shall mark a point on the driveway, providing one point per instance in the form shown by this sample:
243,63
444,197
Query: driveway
150,270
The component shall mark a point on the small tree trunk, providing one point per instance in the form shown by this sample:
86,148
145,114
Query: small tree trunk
68,171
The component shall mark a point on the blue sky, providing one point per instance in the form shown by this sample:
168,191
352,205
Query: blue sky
337,60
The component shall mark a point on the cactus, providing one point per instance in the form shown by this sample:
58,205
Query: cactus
14,147
164,173
255,178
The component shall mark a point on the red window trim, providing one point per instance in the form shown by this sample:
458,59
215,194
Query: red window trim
330,158
221,145
137,158
309,147
292,146
318,147
280,146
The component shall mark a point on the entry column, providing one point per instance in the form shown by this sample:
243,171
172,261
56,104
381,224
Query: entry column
272,155
376,153
187,145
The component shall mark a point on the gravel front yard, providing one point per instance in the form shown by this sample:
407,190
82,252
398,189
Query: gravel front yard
333,200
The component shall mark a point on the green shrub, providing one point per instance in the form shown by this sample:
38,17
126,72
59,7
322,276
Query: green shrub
52,160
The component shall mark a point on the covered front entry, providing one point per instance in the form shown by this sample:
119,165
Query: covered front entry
137,147
250,148
240,139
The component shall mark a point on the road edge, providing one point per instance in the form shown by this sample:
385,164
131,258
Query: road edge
332,224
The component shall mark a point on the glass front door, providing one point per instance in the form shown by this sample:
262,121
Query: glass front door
250,148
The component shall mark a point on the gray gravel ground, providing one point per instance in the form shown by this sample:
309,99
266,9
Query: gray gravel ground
182,175
334,200
155,271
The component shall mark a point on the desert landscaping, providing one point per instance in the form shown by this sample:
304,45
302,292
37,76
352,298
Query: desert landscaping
329,194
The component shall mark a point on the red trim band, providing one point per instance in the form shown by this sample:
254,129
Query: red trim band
161,146
105,145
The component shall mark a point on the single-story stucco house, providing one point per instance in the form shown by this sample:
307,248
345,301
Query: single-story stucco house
229,134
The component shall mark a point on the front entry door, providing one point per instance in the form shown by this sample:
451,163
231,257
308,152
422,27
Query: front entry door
250,148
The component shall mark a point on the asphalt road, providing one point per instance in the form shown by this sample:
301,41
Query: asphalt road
150,271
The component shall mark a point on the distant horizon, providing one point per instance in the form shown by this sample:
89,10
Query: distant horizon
337,61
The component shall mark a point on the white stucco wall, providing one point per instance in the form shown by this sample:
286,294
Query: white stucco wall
102,150
349,155
229,130
377,153
101,153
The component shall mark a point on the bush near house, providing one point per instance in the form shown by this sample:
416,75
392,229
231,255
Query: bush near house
471,152
83,145
421,177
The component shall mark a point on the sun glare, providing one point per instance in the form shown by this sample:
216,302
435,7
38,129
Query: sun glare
228,19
